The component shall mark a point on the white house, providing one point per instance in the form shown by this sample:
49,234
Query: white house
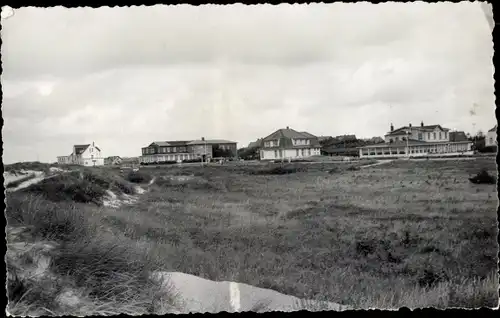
289,144
85,155
419,141
491,137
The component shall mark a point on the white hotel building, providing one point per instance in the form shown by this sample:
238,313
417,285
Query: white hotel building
420,141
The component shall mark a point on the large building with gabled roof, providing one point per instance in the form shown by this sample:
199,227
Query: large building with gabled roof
85,155
187,150
288,144
419,141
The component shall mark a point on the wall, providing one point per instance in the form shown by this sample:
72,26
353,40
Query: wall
89,162
201,150
288,153
491,139
452,149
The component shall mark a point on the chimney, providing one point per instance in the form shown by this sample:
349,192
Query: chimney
287,127
93,144
202,138
422,123
392,127
409,125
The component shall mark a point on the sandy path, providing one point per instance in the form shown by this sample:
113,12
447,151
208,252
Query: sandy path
197,294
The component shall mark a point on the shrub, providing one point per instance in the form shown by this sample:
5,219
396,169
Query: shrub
483,177
138,177
279,170
66,188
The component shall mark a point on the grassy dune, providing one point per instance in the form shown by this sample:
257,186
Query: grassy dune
413,234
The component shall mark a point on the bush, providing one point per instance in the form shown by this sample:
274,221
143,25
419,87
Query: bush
279,170
138,177
483,177
67,188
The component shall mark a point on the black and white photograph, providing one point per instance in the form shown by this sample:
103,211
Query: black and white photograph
175,159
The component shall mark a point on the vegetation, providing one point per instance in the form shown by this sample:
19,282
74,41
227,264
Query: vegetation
405,233
15,184
139,176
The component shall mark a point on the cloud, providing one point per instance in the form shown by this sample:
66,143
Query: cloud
123,77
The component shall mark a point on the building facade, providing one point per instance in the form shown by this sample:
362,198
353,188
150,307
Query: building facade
86,155
491,137
419,141
289,144
179,151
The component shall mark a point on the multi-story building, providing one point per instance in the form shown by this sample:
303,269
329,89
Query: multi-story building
290,144
178,151
85,155
419,141
491,137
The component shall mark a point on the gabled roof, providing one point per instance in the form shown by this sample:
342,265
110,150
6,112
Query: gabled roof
288,133
305,133
493,129
79,149
424,128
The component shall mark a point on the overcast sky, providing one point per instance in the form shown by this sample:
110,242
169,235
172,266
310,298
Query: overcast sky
124,77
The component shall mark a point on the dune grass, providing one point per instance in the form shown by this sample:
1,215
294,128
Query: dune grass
403,234
414,234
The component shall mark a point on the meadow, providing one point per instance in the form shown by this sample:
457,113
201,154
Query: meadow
404,233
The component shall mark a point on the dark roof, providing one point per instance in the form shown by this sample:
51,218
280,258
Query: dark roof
79,149
113,157
493,129
176,143
425,128
458,136
288,133
305,133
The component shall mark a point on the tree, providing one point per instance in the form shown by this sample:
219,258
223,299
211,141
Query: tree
218,152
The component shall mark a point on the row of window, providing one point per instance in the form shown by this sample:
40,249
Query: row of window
298,152
428,149
169,157
301,141
164,150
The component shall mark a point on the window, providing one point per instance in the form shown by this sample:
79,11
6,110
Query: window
303,152
439,135
491,140
429,136
91,156
296,152
391,140
445,135
309,152
173,149
420,137
276,154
